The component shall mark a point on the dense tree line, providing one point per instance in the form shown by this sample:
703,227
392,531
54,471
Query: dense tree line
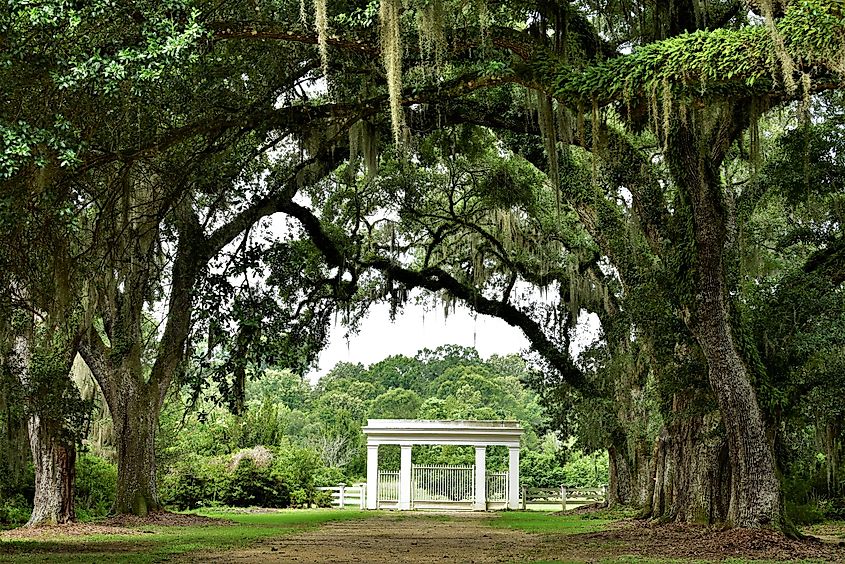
673,168
289,438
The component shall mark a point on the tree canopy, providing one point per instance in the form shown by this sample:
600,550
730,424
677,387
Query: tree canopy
671,168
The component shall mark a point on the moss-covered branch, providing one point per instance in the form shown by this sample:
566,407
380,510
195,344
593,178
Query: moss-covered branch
715,64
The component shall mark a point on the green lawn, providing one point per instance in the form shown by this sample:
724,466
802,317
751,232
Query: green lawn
534,522
158,543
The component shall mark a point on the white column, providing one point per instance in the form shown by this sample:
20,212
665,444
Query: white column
513,477
404,477
372,476
480,479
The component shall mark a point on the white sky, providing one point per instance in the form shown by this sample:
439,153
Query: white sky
417,327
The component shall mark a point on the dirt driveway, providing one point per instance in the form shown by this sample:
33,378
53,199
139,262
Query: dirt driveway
394,538
469,538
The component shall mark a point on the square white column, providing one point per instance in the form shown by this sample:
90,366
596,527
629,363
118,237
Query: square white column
513,477
404,477
480,503
372,476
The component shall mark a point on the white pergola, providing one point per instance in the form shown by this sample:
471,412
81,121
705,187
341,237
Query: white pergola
409,432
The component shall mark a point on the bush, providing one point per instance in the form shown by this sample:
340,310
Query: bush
195,481
296,467
15,511
280,477
250,484
329,476
96,482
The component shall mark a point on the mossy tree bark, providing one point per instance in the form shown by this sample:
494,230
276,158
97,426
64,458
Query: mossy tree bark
52,446
54,462
135,413
696,150
691,471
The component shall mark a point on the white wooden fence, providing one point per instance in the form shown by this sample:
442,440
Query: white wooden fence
565,496
348,496
454,486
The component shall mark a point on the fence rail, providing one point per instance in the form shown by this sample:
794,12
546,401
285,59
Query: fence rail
343,495
563,495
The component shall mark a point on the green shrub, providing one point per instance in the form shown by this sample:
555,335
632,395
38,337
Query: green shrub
15,511
296,467
96,482
285,476
805,513
195,481
250,484
329,476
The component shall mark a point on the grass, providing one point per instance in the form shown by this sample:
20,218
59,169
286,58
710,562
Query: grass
548,523
159,543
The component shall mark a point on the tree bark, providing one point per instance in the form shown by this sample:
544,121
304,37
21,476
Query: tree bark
694,159
620,483
692,477
53,451
54,460
135,415
631,475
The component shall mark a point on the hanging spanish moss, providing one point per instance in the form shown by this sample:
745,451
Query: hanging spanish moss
754,134
363,144
321,22
654,110
303,13
595,128
667,111
432,32
391,52
806,92
564,125
549,135
582,291
483,21
787,64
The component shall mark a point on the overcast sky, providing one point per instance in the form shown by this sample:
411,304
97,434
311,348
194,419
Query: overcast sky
417,328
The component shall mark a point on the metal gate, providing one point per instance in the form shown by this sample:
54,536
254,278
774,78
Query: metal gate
441,483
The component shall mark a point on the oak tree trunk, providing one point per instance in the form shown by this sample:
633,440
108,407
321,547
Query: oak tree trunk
691,470
630,474
135,415
53,451
620,483
755,489
54,461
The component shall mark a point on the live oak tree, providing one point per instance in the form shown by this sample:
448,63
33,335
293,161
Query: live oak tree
698,75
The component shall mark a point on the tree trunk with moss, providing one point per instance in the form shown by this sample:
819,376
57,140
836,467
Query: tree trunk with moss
695,154
135,412
52,446
691,470
630,476
54,463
